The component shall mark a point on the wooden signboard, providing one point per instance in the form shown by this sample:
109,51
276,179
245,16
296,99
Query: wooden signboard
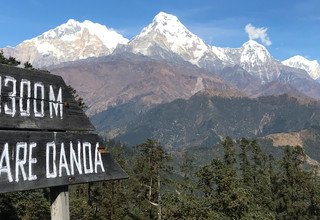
30,160
46,140
36,100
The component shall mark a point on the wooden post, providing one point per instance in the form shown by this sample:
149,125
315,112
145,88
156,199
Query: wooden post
59,197
40,118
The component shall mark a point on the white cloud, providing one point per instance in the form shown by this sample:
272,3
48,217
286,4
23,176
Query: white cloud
258,33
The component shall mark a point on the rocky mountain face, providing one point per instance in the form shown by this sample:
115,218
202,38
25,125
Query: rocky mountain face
291,80
115,80
68,42
116,118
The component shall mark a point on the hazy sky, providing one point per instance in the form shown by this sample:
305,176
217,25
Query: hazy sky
285,27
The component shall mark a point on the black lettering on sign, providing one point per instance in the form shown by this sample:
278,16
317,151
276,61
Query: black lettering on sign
31,160
39,101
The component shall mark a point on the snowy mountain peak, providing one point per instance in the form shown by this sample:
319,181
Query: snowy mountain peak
254,45
301,59
164,22
70,41
72,22
169,34
163,17
254,52
311,66
72,29
254,57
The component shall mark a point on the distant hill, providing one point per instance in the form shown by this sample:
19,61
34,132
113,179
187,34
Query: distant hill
203,120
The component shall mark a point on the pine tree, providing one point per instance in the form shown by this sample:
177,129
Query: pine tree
187,171
314,193
150,169
261,185
78,98
245,166
291,187
225,195
8,61
3,60
28,66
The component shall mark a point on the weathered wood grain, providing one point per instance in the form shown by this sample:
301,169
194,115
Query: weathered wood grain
36,157
45,138
73,117
59,208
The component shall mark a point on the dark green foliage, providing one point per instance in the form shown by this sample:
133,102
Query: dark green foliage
253,185
243,182
28,66
8,61
202,120
25,205
295,188
140,197
7,210
78,98
150,170
12,61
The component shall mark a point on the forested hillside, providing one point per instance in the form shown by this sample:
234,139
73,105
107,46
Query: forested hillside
203,119
242,183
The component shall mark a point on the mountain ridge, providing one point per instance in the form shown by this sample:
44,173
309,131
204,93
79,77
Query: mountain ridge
250,68
164,37
70,41
203,120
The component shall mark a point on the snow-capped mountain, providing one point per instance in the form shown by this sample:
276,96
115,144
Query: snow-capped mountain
68,42
312,67
167,35
247,67
255,58
251,56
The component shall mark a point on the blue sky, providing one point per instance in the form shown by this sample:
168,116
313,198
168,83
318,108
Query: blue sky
293,26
